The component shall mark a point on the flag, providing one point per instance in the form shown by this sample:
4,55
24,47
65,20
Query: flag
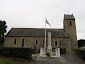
48,23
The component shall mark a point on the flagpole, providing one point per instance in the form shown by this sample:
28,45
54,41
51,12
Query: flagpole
45,36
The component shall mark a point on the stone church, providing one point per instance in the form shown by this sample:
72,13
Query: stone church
35,37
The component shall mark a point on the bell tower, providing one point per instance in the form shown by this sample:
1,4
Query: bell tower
70,29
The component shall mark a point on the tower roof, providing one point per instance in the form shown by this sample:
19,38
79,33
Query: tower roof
69,17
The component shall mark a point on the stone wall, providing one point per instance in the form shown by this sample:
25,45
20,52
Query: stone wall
30,41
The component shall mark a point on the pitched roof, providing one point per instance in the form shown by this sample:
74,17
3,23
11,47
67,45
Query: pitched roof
69,17
35,32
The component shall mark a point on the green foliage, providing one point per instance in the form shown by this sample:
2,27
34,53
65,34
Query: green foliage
62,50
25,53
2,31
81,43
80,53
48,54
6,62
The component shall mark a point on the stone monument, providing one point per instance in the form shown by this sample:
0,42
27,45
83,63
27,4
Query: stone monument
41,51
49,48
57,52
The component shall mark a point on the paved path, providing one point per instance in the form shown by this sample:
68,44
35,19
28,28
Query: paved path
68,58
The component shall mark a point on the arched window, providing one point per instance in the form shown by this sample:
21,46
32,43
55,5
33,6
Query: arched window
14,41
22,41
36,41
70,23
55,42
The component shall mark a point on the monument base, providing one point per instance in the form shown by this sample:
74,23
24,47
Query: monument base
49,49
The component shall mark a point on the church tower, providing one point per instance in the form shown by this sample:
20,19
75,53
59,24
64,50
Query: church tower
70,29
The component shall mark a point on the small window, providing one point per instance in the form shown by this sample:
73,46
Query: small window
22,45
14,41
55,42
36,41
70,23
22,41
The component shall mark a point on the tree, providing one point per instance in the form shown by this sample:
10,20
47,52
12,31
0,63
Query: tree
81,43
3,30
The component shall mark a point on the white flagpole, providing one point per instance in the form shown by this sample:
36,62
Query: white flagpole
45,36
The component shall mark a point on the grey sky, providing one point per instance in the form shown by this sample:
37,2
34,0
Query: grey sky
32,13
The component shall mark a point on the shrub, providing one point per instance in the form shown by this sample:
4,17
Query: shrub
81,43
80,53
25,53
62,50
48,54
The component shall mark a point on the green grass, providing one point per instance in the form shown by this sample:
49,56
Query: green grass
6,62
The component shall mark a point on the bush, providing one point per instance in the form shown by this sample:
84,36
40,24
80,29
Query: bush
25,53
48,54
62,50
81,43
80,53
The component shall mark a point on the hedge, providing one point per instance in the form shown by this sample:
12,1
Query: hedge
25,53
62,50
80,53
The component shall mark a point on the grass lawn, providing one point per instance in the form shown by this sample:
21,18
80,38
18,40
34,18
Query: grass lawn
11,60
6,62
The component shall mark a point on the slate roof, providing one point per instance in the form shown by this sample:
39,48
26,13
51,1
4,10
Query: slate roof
35,32
69,17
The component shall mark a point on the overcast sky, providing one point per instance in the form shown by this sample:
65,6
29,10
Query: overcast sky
32,13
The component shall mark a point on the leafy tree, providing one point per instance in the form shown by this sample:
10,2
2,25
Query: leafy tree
3,28
81,43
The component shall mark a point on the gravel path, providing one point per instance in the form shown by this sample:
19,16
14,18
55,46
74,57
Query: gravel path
68,58
72,58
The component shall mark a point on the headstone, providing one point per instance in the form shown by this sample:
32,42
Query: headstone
58,52
41,51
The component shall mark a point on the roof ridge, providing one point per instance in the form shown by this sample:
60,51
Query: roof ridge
37,28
